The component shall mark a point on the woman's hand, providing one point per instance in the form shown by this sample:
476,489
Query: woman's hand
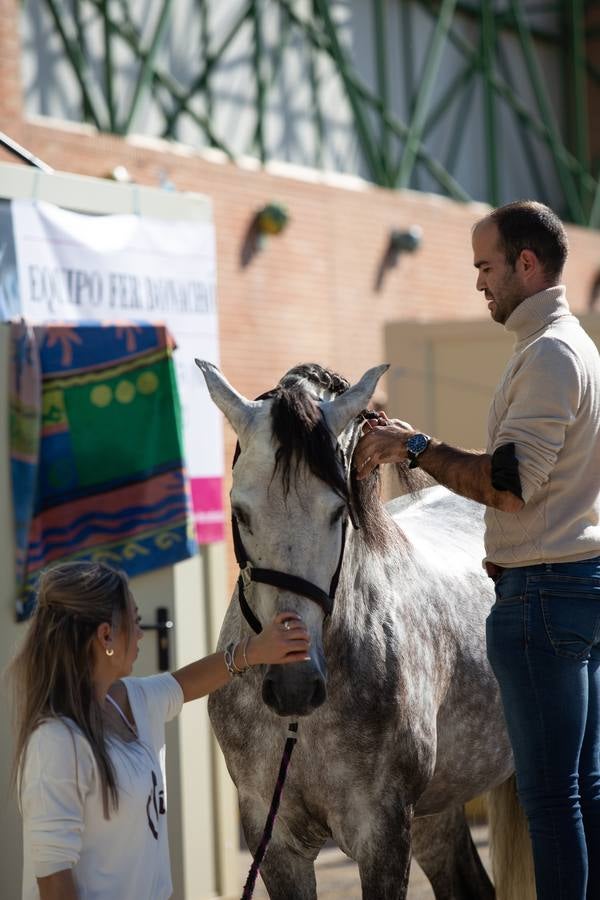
285,640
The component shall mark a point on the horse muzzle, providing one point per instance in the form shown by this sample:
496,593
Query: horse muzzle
296,689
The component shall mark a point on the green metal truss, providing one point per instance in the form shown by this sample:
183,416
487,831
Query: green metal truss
394,151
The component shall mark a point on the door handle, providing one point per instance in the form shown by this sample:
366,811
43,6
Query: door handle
162,627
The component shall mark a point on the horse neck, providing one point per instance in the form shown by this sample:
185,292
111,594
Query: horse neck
370,574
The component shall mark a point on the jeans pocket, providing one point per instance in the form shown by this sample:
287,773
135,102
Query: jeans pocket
510,588
571,621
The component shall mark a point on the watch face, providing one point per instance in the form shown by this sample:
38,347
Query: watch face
417,443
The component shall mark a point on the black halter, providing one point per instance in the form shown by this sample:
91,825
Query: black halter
250,573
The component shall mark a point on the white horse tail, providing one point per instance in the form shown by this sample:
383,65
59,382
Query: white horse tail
510,845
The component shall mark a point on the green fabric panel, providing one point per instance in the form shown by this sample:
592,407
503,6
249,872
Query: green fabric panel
24,429
124,425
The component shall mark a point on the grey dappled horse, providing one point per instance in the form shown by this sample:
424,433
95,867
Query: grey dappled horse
401,718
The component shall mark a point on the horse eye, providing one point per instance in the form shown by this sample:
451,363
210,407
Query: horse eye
337,515
242,517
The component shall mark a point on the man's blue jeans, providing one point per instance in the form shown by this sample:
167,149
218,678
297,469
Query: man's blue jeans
543,640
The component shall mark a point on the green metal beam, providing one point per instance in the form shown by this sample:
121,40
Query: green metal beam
268,83
364,134
444,179
457,138
82,41
564,174
577,101
488,52
594,221
205,51
108,65
525,133
428,77
317,112
511,97
381,59
147,66
199,83
91,96
452,92
128,33
257,57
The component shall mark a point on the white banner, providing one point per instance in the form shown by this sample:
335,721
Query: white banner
123,268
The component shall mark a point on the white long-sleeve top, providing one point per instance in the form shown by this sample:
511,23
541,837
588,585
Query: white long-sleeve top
127,856
548,405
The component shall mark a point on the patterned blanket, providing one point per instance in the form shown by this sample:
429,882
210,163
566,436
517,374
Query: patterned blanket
96,450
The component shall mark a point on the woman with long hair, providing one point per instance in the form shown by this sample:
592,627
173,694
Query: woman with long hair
89,756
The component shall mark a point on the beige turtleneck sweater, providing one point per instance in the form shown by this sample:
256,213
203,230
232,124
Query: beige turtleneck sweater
548,404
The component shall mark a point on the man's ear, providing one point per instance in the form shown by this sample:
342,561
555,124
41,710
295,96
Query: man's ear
530,264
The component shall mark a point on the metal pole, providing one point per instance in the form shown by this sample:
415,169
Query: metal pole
199,83
577,101
396,126
146,67
205,51
382,80
22,153
108,64
430,71
79,65
488,40
316,102
260,84
546,112
364,134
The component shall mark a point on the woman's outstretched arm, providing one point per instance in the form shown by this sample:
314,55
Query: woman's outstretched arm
284,641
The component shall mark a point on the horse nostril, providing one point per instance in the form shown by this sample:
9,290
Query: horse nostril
319,693
269,693
293,699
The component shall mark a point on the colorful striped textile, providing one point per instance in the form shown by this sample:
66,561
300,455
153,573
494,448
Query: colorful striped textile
96,450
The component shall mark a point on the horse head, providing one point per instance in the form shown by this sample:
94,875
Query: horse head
291,506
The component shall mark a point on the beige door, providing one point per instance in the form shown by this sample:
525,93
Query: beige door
442,376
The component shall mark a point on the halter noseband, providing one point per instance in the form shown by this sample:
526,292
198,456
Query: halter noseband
250,573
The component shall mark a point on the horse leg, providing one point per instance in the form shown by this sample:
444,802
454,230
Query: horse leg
287,869
287,875
383,858
443,847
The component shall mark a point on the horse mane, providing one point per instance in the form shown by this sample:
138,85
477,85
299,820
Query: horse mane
304,438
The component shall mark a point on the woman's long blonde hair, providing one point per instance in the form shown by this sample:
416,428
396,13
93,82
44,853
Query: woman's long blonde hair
52,673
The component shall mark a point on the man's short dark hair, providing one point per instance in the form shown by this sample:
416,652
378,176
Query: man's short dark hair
528,225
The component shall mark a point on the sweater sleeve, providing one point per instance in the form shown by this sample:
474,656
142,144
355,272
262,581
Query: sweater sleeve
543,397
58,772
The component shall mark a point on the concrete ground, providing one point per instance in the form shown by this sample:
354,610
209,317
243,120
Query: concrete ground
337,876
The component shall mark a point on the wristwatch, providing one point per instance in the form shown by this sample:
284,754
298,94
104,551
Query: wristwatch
415,445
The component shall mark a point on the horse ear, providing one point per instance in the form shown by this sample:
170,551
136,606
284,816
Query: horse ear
339,412
236,409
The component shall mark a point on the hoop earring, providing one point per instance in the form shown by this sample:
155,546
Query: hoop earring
109,652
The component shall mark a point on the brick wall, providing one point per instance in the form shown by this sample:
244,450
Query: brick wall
311,294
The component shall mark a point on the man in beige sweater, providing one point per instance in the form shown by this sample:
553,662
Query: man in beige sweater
540,481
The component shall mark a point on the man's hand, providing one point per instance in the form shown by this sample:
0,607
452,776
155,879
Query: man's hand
383,441
466,472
